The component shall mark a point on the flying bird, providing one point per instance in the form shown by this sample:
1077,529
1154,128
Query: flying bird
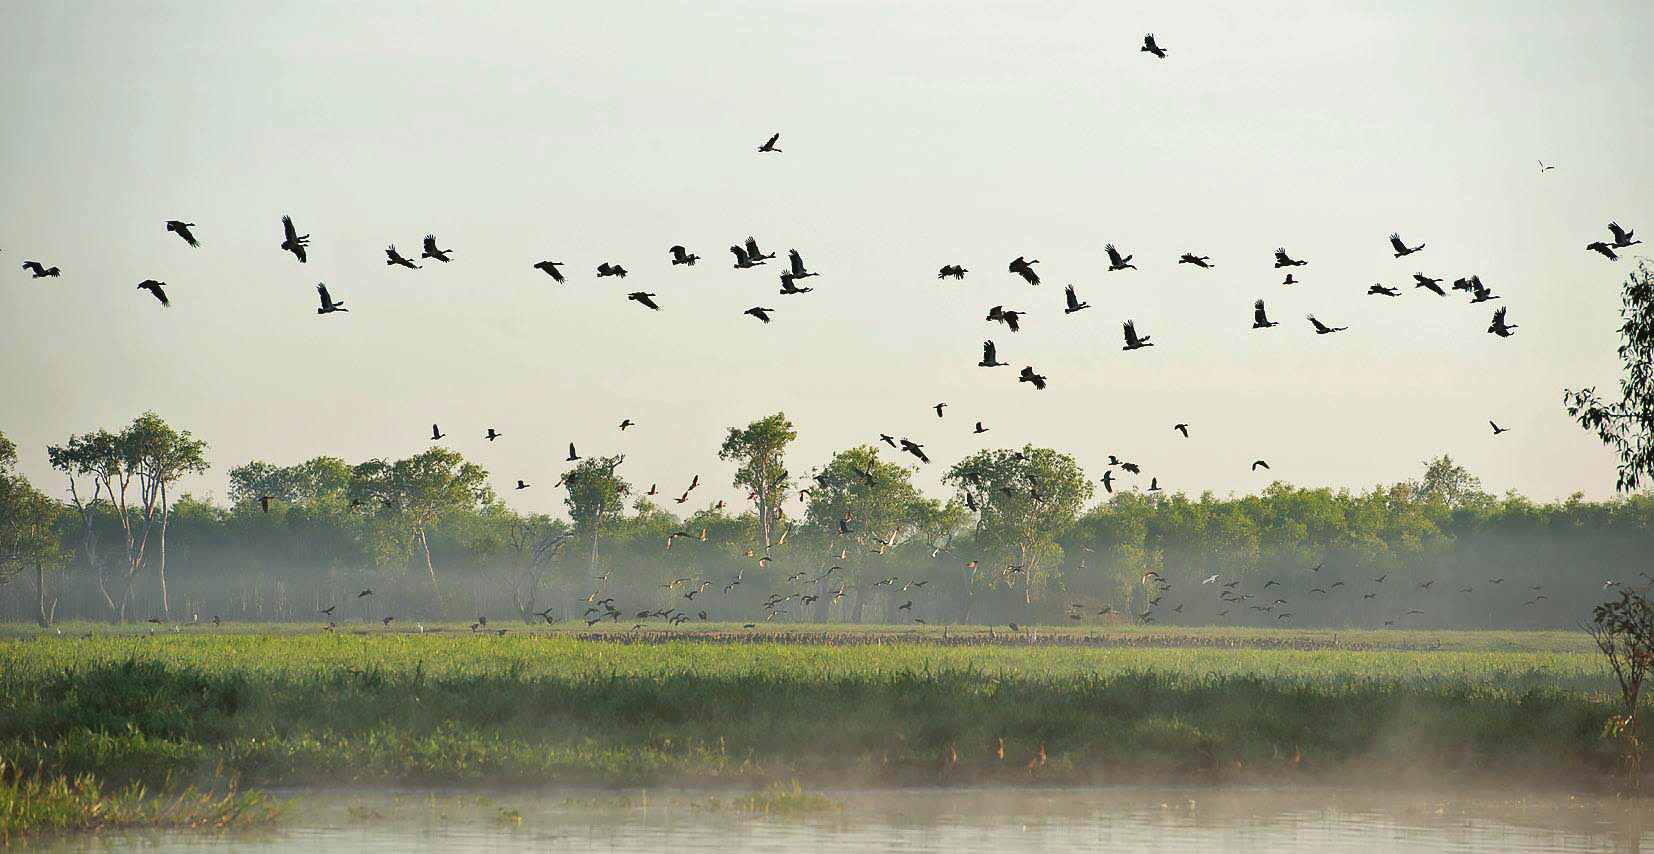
1260,320
292,240
954,270
492,434
1322,328
550,268
155,288
788,288
1259,464
626,422
1622,236
606,269
797,262
1132,341
1005,316
1599,246
743,261
572,457
328,305
759,312
1499,327
521,485
979,429
643,299
1150,47
1497,429
990,356
1028,376
1108,482
1422,281
394,258
754,253
915,449
1116,261
1402,248
1074,303
770,145
1479,292
1380,290
41,272
1182,428
436,433
679,256
1197,260
939,407
182,229
1289,280
1282,260
1543,168
1025,269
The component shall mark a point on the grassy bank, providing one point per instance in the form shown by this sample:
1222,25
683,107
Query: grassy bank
34,803
455,707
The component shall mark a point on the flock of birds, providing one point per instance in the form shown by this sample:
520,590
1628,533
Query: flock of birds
748,255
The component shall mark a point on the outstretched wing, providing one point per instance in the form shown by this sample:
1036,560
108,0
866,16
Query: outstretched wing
797,262
430,243
1113,254
1131,332
1319,326
1258,315
1395,241
740,254
1620,234
1068,293
773,138
1499,316
326,299
752,249
287,227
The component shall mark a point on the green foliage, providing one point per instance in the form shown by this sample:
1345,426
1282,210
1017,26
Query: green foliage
1024,501
1623,629
413,493
39,804
28,538
760,449
1627,425
311,482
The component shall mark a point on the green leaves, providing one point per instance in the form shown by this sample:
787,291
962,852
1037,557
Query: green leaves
1627,425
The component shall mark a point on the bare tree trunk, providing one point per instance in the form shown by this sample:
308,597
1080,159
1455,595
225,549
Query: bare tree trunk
597,527
40,593
166,606
425,546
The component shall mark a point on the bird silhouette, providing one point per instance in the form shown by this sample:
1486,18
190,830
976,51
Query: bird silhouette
1322,328
1197,260
1380,290
1260,319
1150,47
1422,281
292,240
759,312
797,263
754,253
1073,301
1283,260
155,288
1497,429
939,407
770,144
1599,246
915,449
1259,464
679,256
1543,168
979,429
626,422
643,299
40,272
953,270
1289,280
1116,261
1182,428
788,288
431,251
990,356
1498,326
492,434
1132,341
1025,269
182,229
606,269
1622,236
394,258
328,305
1028,376
436,433
521,485
1005,316
1402,248
1480,292
550,268
743,261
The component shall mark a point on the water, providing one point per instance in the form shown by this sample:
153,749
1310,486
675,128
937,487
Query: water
998,820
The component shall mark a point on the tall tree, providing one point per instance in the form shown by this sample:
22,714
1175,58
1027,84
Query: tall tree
413,493
305,483
1025,500
760,448
159,456
1627,425
27,540
94,457
597,497
863,507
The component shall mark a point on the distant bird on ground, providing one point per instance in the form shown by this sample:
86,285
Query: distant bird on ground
754,253
760,312
1422,281
953,270
437,434
292,240
1499,327
328,305
1283,260
492,434
1259,464
1028,376
643,299
1182,428
1599,246
155,288
979,429
1150,47
990,356
1132,341
41,272
1543,168
679,256
1005,316
521,485
572,457
939,407
1402,248
770,144
1073,301
1622,236
1260,320
1322,328
1197,260
1116,261
1497,429
394,258
550,268
915,449
797,263
606,269
1380,290
182,229
1025,269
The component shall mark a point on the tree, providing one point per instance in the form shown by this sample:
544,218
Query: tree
95,456
27,540
413,493
597,497
1624,632
1627,426
864,507
305,483
760,447
159,456
533,542
1024,500
1450,484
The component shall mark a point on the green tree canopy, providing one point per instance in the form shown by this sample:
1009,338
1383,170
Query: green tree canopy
414,492
760,448
1024,501
1627,425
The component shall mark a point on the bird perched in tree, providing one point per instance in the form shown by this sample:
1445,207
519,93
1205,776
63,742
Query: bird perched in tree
990,356
1025,269
1260,319
437,434
1402,248
1005,316
796,261
155,288
1422,281
770,144
1197,260
1116,261
1283,260
1150,47
953,270
1073,301
606,269
1499,327
1259,464
292,240
550,269
1322,328
328,305
1132,341
394,258
643,299
1622,236
760,312
1380,290
1599,246
1497,429
182,229
1182,428
41,272
915,449
680,256
1028,376
521,485
432,252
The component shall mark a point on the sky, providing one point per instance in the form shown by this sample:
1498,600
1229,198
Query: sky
913,135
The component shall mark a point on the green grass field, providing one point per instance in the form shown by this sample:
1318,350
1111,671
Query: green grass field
289,706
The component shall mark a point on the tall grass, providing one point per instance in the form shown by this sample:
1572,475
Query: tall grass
46,803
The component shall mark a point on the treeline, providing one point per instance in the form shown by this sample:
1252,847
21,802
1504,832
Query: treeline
1022,538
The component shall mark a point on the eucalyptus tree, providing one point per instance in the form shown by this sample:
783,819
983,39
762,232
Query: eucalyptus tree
412,494
597,498
91,463
864,508
1024,500
1627,425
760,448
27,538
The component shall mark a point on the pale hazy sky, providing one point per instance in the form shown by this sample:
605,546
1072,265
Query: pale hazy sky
914,135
